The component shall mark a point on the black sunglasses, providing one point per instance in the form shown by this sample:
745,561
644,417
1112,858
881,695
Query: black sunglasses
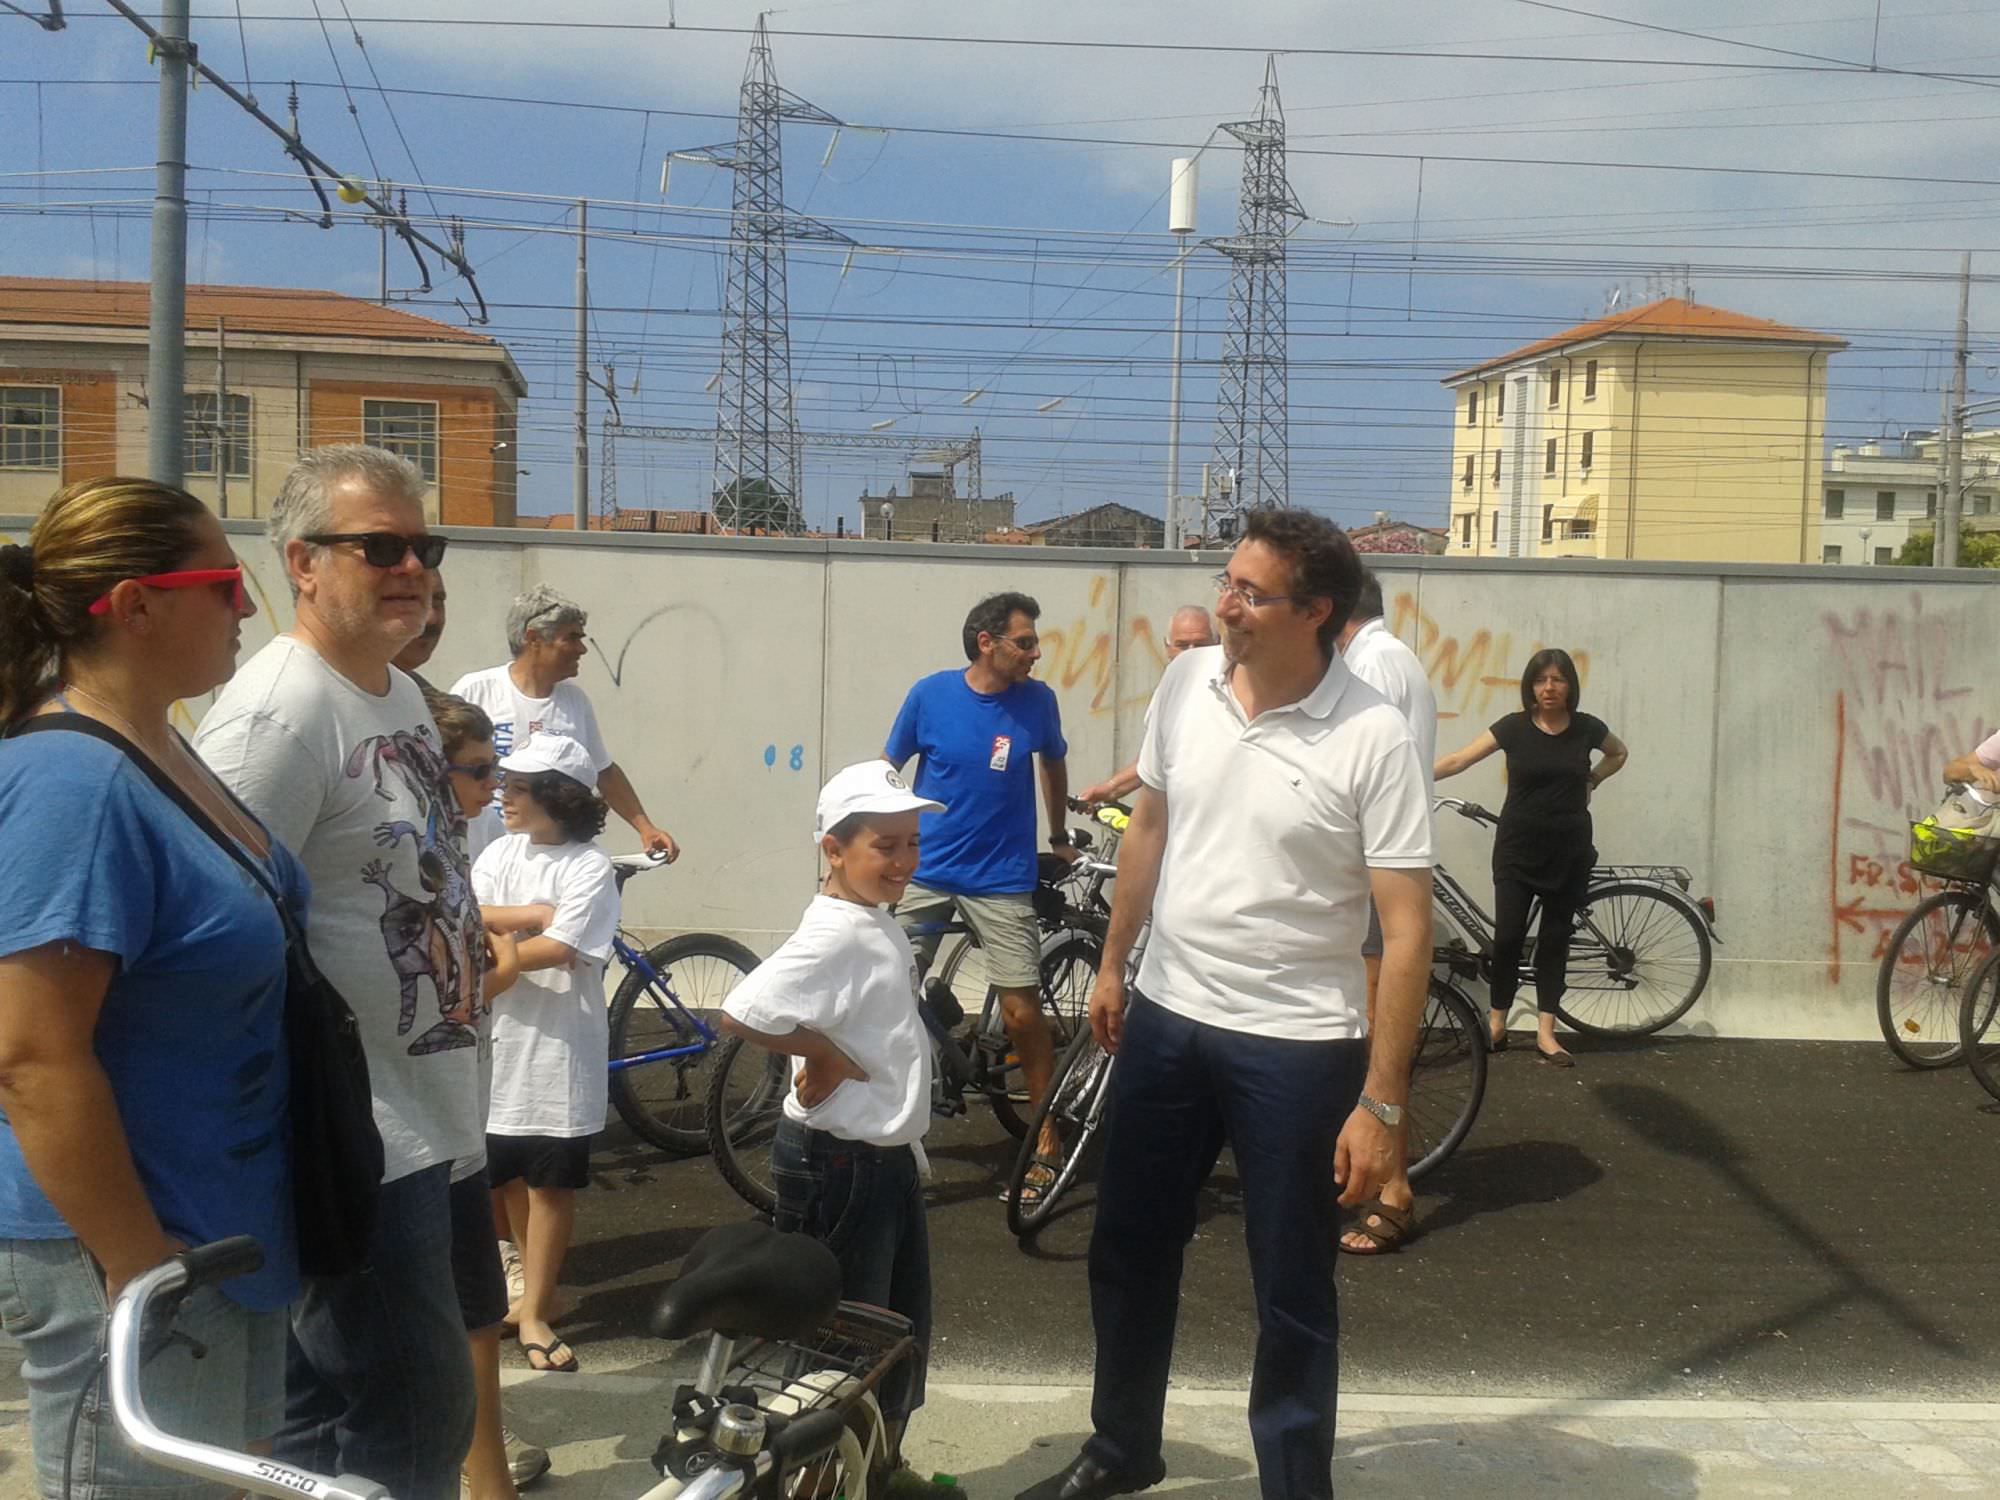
479,772
386,549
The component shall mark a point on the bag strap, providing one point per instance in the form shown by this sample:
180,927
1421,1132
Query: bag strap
76,723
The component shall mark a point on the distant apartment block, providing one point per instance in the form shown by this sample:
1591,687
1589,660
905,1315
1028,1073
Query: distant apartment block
1669,431
1878,495
297,369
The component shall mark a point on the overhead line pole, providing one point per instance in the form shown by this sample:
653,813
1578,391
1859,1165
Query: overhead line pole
581,497
1950,503
166,356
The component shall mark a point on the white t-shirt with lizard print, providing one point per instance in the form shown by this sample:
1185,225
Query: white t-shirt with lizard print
355,785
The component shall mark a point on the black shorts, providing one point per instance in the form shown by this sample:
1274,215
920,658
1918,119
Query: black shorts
541,1161
475,1255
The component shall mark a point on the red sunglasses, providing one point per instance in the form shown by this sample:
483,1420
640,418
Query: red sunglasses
192,579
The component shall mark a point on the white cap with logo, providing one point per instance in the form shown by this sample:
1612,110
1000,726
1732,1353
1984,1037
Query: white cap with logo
553,752
870,787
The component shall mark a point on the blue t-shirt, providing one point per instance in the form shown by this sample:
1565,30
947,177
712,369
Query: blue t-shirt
191,1033
978,754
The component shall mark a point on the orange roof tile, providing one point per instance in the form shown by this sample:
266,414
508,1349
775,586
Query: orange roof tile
1670,317
247,309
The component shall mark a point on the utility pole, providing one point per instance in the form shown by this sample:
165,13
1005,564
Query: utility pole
1180,223
582,495
222,416
166,360
1944,554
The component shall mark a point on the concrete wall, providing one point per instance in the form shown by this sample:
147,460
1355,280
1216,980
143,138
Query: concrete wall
1784,723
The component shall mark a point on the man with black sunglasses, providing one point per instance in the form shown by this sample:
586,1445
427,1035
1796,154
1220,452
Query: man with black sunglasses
336,751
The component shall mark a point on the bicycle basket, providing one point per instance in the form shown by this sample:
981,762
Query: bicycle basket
1952,853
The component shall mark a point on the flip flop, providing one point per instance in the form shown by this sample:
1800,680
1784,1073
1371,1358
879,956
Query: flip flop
550,1364
1039,1178
1556,1059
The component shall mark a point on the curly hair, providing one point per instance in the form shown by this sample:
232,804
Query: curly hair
1324,563
992,615
578,811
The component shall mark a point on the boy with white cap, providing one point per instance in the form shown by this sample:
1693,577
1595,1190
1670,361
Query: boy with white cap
549,883
840,998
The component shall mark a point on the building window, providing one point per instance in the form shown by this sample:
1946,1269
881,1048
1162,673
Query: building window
209,435
1465,530
1500,404
1589,451
1555,387
1829,554
1472,408
1466,478
407,428
30,427
1548,523
1496,465
1982,505
1836,504
1885,505
1549,457
1884,556
1496,525
1590,380
1930,504
1582,531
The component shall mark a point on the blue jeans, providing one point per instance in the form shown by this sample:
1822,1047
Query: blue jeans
379,1378
867,1204
52,1300
1180,1091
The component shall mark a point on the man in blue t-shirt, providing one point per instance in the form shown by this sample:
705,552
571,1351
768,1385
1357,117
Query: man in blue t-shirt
978,732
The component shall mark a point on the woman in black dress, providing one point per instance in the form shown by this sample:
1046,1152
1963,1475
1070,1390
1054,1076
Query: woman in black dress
1543,845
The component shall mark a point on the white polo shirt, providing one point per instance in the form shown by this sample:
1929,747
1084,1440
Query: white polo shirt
1272,827
1381,659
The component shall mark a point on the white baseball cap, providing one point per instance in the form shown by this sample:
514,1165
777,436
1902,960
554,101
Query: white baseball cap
870,787
553,752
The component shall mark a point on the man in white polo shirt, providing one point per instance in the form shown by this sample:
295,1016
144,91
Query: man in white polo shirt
1377,657
1278,794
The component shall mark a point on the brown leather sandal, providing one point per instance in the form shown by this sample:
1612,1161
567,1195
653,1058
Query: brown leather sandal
1393,1229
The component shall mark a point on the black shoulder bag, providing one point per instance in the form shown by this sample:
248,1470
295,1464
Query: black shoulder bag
337,1158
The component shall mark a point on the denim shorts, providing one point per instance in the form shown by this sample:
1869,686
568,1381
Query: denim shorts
52,1300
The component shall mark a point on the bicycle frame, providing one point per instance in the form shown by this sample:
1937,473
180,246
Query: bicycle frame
635,960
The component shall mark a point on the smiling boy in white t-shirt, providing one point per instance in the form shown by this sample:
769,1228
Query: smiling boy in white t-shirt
840,998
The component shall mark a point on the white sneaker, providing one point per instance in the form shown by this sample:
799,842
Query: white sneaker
510,1267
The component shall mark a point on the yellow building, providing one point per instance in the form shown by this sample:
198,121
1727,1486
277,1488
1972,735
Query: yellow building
1669,431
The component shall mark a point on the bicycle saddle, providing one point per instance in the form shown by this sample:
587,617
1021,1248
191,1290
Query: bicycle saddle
750,1281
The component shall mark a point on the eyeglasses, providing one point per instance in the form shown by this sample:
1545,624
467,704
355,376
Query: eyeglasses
1022,643
486,770
1251,599
192,578
385,549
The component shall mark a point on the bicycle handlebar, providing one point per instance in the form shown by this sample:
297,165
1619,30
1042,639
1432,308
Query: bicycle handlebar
131,1315
1088,808
1466,809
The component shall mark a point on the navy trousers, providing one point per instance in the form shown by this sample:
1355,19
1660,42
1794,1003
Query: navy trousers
1181,1090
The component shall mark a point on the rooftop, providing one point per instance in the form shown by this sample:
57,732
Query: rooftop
246,309
1670,317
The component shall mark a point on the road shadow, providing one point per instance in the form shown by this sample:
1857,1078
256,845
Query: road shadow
1493,1179
1512,1459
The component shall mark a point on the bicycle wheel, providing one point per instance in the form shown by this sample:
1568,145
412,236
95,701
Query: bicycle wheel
1639,960
1079,1097
1917,987
1978,1036
1068,969
664,1101
746,1100
1447,1077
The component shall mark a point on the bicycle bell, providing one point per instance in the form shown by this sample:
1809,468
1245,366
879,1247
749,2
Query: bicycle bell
738,1431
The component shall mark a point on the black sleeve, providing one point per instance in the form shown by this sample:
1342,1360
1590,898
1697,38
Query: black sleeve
1505,729
1595,731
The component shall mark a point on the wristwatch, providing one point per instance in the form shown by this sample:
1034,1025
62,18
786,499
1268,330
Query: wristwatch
1389,1114
1061,840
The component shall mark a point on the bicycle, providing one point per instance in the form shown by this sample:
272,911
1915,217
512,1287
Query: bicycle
1447,1086
1919,983
748,1085
1642,951
661,1042
784,1402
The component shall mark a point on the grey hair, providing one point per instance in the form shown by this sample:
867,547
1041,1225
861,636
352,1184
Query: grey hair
544,611
304,506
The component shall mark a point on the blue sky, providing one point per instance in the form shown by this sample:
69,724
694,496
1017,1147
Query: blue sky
1046,278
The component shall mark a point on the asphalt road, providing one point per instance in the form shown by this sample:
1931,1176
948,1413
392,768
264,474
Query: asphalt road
1757,1220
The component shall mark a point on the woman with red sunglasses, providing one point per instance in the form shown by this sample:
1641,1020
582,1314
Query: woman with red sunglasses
142,979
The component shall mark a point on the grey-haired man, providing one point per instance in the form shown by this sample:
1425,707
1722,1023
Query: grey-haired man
536,693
